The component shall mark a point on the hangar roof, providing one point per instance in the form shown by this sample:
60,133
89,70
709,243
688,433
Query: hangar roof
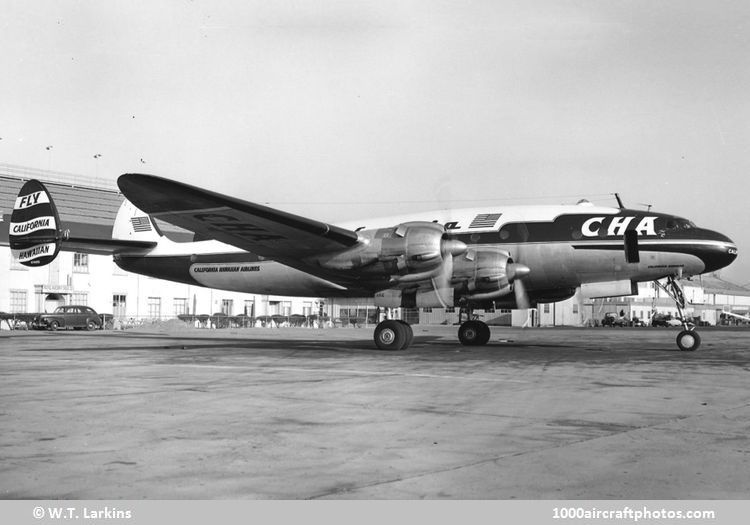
713,284
74,204
82,200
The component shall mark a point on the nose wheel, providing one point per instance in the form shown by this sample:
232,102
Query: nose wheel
688,339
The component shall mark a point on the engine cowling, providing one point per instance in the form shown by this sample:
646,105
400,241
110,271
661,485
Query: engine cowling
485,273
407,253
417,250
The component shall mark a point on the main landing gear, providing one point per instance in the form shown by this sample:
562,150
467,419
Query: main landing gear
473,333
393,334
688,339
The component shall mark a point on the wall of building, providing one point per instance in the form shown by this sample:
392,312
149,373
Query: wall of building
94,280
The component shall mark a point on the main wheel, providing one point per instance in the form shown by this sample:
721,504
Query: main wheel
391,335
474,333
409,334
688,340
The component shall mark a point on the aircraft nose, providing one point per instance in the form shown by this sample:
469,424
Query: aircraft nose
717,251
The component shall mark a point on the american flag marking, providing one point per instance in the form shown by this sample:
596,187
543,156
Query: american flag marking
485,220
141,224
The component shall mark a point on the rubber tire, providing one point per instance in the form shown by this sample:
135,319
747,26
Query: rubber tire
689,340
54,325
391,335
409,335
91,325
474,333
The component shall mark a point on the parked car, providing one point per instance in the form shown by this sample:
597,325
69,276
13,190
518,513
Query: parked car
612,319
69,316
665,320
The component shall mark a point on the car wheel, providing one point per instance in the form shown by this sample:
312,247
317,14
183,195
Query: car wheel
54,325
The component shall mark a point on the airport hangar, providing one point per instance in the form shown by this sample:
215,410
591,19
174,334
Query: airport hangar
89,206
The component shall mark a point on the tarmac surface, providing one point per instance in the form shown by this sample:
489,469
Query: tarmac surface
174,413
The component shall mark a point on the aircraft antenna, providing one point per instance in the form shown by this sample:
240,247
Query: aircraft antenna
619,201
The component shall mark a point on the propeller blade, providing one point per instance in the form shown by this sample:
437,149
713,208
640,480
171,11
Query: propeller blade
522,298
441,283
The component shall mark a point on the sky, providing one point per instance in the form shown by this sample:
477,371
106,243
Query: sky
345,109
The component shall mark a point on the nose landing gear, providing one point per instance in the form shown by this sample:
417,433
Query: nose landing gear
688,339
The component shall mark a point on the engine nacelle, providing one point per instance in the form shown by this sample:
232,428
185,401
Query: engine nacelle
409,252
483,273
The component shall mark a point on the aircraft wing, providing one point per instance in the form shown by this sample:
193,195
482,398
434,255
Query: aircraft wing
258,229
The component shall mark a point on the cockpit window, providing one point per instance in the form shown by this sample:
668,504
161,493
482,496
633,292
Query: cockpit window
677,223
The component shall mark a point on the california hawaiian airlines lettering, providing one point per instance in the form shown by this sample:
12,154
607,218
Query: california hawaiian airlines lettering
29,254
616,226
32,199
41,223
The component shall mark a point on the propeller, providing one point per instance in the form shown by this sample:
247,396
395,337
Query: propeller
516,273
441,283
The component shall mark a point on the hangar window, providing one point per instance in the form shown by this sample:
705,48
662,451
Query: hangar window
154,307
546,308
227,306
18,301
118,305
80,298
81,262
180,305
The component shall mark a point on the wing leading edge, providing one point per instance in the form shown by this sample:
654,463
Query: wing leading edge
253,227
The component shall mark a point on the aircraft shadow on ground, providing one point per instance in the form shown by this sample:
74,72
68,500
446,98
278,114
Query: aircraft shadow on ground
424,346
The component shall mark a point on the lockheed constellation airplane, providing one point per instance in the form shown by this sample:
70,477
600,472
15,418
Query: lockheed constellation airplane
504,257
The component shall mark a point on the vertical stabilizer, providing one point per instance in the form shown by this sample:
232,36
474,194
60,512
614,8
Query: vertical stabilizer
132,224
34,233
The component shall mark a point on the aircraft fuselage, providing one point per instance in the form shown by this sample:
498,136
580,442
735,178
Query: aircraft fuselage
566,246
